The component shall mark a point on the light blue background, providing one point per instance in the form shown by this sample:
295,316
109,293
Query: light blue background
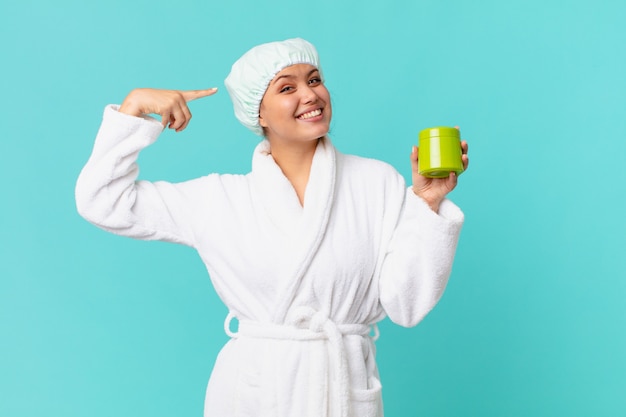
533,322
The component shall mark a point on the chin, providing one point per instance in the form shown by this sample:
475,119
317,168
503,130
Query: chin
320,133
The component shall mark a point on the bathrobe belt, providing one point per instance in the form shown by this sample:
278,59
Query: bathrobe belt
305,323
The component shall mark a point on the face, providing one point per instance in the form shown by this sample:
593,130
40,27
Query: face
296,105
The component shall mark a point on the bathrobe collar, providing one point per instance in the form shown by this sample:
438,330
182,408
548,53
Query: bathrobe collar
305,225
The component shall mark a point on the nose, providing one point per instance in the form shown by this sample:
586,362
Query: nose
308,95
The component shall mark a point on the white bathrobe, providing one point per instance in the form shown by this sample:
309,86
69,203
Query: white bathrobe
306,283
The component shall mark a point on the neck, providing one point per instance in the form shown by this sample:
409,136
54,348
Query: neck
295,160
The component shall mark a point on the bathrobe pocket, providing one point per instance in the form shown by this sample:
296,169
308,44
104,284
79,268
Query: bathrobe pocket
366,391
237,387
368,402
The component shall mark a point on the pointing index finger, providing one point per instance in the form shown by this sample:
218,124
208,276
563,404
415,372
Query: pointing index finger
191,95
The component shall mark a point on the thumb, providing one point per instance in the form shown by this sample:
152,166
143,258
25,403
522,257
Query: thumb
191,95
414,158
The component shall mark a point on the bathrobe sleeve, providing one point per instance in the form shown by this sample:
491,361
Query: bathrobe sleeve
418,259
109,195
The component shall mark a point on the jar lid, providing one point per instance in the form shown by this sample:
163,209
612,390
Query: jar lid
439,131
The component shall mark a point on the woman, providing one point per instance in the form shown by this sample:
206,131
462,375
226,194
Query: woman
309,250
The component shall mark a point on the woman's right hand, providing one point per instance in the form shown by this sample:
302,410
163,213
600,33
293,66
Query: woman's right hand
171,105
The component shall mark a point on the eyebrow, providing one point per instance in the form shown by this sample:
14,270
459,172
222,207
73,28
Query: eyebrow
293,76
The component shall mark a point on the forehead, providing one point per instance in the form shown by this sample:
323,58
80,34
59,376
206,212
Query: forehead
297,70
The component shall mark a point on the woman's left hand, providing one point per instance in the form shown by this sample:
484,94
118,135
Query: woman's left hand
434,190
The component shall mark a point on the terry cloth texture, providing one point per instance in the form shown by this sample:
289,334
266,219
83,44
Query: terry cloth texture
305,282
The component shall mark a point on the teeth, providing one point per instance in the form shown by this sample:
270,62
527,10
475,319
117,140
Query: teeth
310,114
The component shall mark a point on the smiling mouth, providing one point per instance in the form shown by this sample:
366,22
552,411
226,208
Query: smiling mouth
310,114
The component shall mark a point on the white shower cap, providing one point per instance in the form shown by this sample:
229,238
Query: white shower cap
251,74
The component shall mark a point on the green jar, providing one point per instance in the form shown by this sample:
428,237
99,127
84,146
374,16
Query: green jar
440,152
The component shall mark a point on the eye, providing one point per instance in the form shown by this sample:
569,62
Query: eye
315,81
286,89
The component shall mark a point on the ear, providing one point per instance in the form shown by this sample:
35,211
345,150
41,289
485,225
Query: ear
262,121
